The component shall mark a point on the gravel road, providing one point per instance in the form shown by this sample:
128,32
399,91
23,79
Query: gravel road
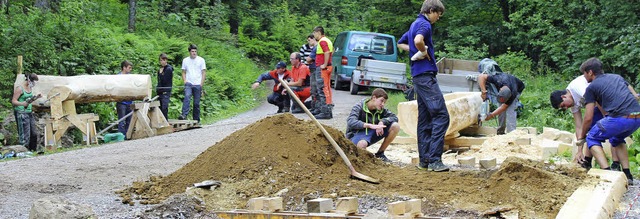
91,176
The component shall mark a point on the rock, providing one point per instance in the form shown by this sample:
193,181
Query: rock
59,208
15,148
208,184
374,214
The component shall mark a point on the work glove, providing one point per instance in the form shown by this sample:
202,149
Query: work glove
421,55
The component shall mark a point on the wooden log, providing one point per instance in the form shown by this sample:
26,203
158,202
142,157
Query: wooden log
90,88
463,108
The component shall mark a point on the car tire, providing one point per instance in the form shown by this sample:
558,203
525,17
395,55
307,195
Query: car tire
337,85
354,88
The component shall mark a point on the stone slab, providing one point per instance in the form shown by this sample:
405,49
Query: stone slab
596,202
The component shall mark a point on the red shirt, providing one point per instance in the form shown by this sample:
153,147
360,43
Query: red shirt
300,73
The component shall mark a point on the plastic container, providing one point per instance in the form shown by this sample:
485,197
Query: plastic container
484,110
113,137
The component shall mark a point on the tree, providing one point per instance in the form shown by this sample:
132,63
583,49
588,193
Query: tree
132,15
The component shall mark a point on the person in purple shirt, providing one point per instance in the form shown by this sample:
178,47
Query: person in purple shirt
433,118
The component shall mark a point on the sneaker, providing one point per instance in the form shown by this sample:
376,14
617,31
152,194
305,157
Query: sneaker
438,166
630,182
382,157
615,166
422,166
181,117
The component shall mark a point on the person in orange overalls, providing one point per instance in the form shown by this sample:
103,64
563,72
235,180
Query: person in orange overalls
324,51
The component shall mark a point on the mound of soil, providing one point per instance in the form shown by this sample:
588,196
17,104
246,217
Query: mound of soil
285,156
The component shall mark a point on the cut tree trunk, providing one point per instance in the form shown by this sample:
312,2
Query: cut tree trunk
90,88
463,108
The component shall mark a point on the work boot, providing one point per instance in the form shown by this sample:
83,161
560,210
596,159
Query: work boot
586,165
380,155
325,113
181,117
296,109
280,109
438,166
615,166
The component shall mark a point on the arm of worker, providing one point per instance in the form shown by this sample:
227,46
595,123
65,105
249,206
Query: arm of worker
577,120
204,75
388,117
482,83
588,118
423,51
633,91
403,43
497,112
184,76
17,91
354,123
325,47
262,77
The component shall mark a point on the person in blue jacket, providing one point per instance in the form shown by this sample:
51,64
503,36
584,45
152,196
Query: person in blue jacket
279,97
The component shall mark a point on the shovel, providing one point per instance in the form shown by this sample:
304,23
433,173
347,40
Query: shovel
354,173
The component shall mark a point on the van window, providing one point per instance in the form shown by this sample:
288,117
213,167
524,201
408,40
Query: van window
371,43
339,42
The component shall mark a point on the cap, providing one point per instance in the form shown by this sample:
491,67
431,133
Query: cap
281,64
504,94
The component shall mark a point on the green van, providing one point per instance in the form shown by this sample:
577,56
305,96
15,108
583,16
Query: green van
352,46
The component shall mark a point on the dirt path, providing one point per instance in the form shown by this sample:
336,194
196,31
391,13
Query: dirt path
90,176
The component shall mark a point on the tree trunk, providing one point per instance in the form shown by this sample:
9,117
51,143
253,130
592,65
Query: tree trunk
90,88
463,108
132,15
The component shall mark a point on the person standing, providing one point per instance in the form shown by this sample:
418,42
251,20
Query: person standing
165,84
305,50
124,108
279,97
194,70
623,114
310,61
324,51
433,118
22,99
299,81
370,122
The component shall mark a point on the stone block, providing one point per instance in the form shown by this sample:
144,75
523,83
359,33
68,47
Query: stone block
396,208
528,130
319,205
548,148
273,204
256,204
415,160
467,161
564,147
347,205
413,207
488,163
565,137
550,133
523,141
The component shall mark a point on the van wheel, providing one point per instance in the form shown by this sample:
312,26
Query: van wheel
354,88
337,85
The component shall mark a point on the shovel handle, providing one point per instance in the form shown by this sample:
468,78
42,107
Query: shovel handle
324,131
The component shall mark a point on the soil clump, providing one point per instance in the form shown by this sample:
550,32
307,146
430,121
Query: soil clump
289,157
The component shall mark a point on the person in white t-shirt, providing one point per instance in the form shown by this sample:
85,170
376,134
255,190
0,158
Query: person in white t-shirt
573,97
194,70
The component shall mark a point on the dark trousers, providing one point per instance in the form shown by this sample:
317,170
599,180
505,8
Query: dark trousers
27,131
123,110
280,100
196,92
164,97
433,118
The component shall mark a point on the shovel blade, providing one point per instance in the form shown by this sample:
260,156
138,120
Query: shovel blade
365,178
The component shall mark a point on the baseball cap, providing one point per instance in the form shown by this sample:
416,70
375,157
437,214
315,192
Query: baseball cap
504,94
281,64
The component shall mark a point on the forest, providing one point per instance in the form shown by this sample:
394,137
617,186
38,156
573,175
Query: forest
542,42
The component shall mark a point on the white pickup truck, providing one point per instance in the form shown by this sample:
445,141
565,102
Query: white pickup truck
377,73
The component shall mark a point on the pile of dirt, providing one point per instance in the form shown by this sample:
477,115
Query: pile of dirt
285,156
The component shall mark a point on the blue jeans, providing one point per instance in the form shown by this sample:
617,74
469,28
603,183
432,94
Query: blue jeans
123,110
616,129
27,131
433,118
164,97
196,92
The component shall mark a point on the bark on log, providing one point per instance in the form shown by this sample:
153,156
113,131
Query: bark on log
463,108
90,88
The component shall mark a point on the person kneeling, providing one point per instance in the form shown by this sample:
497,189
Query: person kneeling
370,122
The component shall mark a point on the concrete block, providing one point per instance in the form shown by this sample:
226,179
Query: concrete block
347,205
564,147
256,204
523,141
488,163
467,161
550,133
413,207
396,208
565,137
273,204
319,205
598,201
548,148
